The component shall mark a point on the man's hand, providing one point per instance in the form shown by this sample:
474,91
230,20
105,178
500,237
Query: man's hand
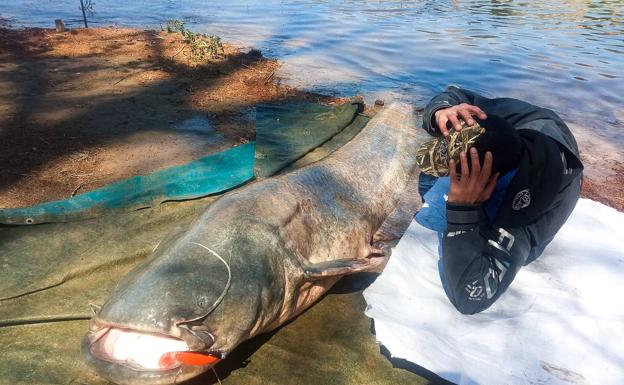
452,115
473,186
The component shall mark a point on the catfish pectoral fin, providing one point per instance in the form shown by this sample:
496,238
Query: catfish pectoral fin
409,202
340,267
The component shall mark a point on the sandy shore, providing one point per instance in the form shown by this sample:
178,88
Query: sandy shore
84,108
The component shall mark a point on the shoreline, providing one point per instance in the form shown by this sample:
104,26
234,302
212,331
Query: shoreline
84,108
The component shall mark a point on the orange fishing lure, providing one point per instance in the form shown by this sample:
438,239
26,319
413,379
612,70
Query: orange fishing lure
187,358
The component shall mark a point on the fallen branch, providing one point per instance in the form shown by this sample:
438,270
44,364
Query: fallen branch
268,78
176,54
122,79
130,75
76,190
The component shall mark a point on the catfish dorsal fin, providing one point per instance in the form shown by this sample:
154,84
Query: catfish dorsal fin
341,267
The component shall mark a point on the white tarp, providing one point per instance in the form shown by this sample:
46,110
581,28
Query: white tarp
560,322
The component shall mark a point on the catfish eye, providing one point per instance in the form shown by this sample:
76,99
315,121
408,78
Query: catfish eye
202,302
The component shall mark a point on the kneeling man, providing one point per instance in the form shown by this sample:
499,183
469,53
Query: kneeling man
510,173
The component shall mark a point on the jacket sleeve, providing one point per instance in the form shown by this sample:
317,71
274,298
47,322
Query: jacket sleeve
521,115
452,96
479,261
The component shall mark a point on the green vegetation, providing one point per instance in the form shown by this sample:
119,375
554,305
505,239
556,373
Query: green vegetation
203,47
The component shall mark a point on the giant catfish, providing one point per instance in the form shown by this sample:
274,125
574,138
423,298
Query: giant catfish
258,257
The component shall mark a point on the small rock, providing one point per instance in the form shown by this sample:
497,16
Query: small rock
254,54
379,102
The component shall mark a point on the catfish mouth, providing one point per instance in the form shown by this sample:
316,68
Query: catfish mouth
127,356
136,350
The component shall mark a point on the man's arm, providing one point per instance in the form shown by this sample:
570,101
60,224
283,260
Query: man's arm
521,115
479,262
452,96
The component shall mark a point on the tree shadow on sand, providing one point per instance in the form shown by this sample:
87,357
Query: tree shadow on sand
71,94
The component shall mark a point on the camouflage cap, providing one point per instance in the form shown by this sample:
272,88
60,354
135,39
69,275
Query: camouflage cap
434,155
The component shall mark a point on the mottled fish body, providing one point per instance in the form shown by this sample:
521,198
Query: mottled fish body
259,256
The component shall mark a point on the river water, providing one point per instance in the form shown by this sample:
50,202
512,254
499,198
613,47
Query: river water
565,55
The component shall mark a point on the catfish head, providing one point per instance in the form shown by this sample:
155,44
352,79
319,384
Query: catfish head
186,307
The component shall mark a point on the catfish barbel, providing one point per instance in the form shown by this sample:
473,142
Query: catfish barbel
258,257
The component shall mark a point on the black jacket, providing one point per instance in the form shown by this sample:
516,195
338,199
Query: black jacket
481,256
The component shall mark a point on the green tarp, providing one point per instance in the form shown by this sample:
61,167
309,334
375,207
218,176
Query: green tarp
284,133
208,175
52,274
283,137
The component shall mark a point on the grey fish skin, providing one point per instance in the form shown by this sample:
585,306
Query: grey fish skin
260,255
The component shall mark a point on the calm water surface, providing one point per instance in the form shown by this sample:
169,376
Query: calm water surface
566,55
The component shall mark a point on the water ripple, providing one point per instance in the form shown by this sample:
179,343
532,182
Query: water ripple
565,55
